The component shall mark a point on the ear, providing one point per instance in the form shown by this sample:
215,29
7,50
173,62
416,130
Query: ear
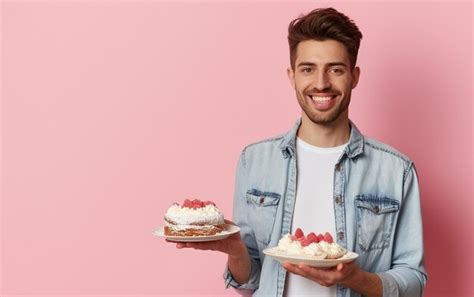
355,76
291,76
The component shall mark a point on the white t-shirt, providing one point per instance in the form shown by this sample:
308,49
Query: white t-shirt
314,207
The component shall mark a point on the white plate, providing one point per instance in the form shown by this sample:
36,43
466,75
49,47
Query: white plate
229,230
308,260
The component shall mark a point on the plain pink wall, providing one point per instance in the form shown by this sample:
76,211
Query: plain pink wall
112,111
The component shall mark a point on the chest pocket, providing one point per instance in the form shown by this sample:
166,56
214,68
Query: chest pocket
263,207
376,218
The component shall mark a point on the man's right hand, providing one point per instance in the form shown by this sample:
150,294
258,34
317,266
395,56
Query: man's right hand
238,256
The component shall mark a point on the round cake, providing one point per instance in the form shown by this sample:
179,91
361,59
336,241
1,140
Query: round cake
194,218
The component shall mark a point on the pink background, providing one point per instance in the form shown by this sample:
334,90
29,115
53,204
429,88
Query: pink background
112,111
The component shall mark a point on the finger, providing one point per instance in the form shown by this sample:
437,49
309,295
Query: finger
322,275
290,267
305,271
294,269
287,265
310,272
205,246
196,246
304,268
229,222
316,271
340,267
180,245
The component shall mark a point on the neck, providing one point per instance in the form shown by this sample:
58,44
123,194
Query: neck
325,135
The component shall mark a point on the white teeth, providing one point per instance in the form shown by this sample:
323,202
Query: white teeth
321,99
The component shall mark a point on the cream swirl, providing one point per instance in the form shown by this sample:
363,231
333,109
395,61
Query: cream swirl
291,247
333,250
314,250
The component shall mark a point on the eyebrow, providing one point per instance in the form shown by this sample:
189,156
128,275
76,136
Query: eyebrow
328,64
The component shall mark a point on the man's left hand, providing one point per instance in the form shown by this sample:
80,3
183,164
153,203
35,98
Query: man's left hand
326,277
349,275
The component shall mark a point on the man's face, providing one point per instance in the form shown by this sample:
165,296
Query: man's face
323,80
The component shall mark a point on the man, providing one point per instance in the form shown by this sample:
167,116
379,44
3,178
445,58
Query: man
324,175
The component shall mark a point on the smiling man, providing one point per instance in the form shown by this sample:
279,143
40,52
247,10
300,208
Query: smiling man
324,175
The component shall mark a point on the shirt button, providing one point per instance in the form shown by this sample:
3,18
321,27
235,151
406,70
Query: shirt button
340,235
262,199
338,167
338,199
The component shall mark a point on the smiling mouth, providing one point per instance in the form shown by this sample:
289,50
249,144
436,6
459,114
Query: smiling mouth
322,99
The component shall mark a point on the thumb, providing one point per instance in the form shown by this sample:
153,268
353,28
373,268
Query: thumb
340,267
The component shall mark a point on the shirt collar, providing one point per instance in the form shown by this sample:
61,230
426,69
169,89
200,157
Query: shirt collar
353,149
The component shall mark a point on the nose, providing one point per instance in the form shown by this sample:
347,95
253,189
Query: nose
321,81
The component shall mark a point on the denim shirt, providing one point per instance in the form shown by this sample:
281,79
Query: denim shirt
376,206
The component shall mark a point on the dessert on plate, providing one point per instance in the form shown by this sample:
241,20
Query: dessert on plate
194,218
312,245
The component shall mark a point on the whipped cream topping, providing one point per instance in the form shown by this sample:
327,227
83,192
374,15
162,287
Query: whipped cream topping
185,216
321,250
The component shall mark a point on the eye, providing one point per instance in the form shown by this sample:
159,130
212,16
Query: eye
307,70
337,71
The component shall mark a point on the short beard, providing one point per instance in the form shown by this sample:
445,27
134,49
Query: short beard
327,118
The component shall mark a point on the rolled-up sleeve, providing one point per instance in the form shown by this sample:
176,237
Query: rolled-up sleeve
250,285
407,276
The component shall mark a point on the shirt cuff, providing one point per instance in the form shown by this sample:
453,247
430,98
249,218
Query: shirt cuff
251,284
389,284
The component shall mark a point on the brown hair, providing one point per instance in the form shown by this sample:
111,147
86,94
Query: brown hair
323,24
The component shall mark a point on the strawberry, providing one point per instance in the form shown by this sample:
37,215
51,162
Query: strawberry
328,237
209,203
313,237
320,237
299,233
305,242
188,203
197,203
293,238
